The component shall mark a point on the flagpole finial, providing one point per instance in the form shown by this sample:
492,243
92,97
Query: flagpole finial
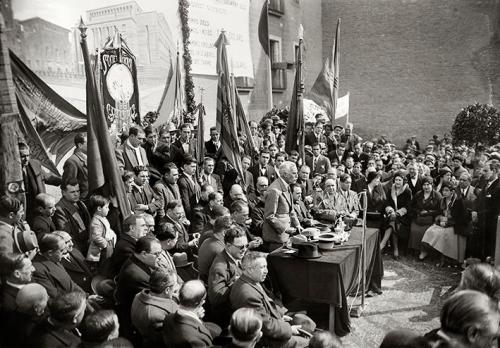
301,32
83,28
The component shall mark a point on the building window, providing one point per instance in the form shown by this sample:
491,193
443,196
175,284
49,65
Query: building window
278,71
277,7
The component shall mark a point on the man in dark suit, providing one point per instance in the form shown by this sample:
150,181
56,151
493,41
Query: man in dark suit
225,269
360,156
18,271
74,263
184,146
489,203
75,166
248,183
263,168
413,179
131,154
208,176
34,179
188,185
158,153
248,292
49,272
45,209
135,228
339,155
213,146
167,188
72,216
174,216
316,136
185,327
59,329
134,277
303,215
280,219
318,163
143,198
469,195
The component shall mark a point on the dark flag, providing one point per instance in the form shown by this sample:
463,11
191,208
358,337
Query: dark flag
264,42
104,175
226,121
200,134
242,124
325,90
295,126
172,102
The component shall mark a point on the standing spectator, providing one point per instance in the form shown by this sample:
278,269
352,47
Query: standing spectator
467,193
34,179
152,305
143,198
316,136
489,203
167,188
188,185
248,183
263,168
413,178
184,146
175,216
208,176
318,163
102,238
131,154
72,215
213,146
75,167
45,207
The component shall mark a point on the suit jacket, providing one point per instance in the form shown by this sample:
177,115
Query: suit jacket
245,293
190,192
182,331
470,198
183,236
278,213
211,150
42,225
78,270
311,138
53,277
73,220
270,173
48,336
8,298
127,158
221,278
414,188
249,185
303,214
148,313
322,164
147,197
75,167
179,153
200,218
34,183
307,186
166,193
213,180
207,252
124,248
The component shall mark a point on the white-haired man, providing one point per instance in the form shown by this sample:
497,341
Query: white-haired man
280,219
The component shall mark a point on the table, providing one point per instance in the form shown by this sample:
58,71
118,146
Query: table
331,277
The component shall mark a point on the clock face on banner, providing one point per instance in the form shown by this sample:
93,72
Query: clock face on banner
120,83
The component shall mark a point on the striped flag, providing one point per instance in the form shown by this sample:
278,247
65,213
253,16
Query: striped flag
242,123
172,101
295,127
226,121
325,90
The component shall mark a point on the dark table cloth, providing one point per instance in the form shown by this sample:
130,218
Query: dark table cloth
331,277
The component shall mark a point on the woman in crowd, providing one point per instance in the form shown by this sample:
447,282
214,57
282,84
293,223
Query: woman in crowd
396,220
446,235
424,209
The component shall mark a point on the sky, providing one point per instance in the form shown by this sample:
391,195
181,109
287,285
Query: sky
66,13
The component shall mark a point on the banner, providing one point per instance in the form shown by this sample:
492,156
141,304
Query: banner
120,91
55,120
342,106
206,20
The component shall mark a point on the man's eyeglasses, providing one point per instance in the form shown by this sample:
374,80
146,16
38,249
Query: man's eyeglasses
241,247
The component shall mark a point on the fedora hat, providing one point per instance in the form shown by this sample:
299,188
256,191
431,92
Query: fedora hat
25,240
181,260
102,286
307,323
306,251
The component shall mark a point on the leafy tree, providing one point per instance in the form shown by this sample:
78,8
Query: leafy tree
477,123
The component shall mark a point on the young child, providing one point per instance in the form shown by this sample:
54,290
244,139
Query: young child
101,237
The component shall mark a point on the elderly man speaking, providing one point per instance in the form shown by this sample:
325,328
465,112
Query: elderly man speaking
280,219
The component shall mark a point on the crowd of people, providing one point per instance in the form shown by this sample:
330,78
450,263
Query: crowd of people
188,267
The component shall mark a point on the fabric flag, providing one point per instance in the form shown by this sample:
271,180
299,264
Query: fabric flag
342,106
55,119
264,42
172,102
225,112
295,127
104,175
33,140
324,92
242,124
200,134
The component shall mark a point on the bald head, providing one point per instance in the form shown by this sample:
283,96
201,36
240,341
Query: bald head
192,294
236,192
288,172
32,299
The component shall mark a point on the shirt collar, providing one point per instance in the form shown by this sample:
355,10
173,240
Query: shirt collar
189,314
14,285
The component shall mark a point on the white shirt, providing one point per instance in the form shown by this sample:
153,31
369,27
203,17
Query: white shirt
138,154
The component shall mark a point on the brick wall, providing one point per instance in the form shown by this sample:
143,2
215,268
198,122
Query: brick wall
410,66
